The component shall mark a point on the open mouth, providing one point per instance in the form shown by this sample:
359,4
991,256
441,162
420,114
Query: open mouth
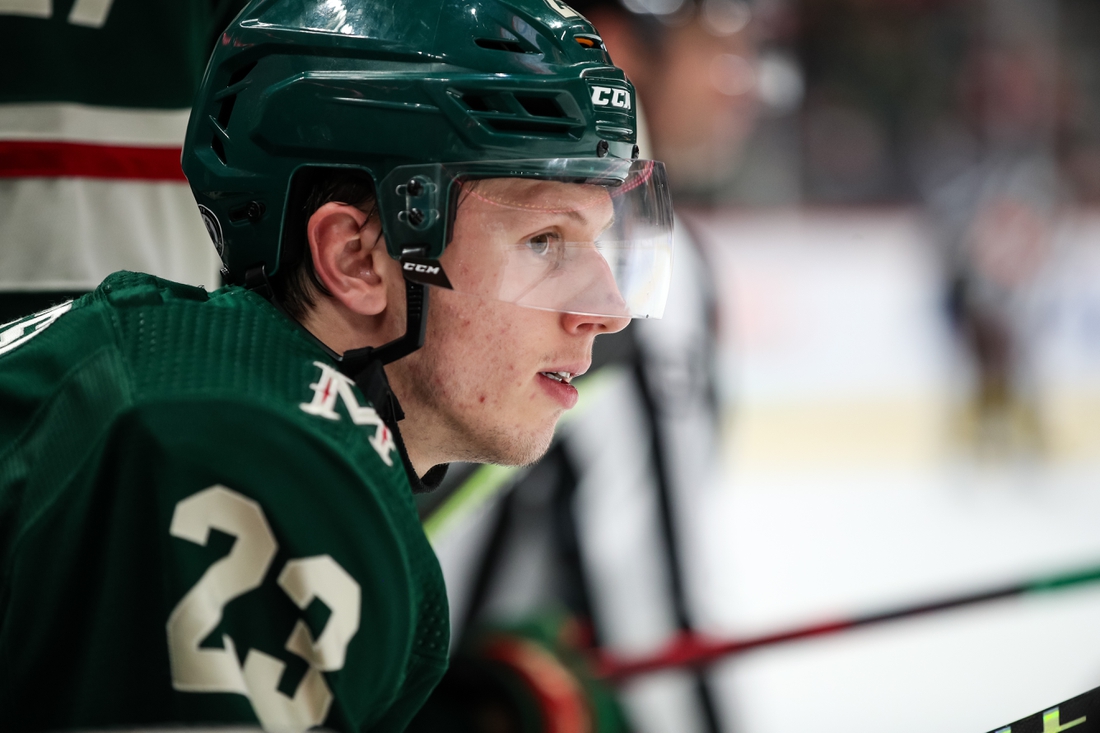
563,377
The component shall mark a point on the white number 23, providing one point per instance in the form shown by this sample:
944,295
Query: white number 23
199,612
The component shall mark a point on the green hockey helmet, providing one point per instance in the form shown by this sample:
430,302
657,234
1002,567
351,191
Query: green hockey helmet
436,100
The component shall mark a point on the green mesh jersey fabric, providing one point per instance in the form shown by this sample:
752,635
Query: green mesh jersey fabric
202,523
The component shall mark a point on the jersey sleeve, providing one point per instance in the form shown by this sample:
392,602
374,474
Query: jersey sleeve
220,563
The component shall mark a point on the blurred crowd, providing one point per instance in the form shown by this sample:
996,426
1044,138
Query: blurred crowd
883,102
984,115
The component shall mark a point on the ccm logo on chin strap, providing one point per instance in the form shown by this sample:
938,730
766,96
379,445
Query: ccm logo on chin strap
609,97
426,271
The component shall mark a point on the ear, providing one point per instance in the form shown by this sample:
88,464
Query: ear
350,258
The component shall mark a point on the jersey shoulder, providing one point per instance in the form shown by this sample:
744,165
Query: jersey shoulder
146,399
140,340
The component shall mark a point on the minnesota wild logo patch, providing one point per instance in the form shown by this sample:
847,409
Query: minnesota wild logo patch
332,386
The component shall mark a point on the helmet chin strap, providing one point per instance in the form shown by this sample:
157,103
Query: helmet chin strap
355,361
416,326
413,264
365,366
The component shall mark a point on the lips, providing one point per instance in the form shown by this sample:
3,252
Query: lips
565,373
558,382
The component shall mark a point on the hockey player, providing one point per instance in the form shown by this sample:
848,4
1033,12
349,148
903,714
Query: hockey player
205,503
606,524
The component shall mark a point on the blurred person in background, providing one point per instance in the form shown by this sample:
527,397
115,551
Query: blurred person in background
603,525
93,110
979,111
996,217
695,65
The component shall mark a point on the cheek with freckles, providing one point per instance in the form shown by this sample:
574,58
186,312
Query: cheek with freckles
476,380
482,354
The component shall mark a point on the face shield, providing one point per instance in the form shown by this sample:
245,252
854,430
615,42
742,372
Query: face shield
585,236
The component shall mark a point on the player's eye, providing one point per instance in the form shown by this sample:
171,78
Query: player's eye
544,244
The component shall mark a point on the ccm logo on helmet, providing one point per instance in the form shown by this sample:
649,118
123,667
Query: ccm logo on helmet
608,97
416,267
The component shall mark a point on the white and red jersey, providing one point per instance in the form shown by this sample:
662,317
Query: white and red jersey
93,111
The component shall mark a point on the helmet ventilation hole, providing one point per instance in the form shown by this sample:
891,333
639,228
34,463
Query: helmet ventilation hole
476,103
541,106
522,114
497,44
218,148
238,76
589,41
225,111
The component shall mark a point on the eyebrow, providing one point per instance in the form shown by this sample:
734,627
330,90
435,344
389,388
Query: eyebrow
574,213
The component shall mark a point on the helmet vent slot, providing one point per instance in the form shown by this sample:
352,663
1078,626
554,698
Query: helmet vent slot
589,41
523,112
476,103
541,107
219,149
238,76
498,44
225,111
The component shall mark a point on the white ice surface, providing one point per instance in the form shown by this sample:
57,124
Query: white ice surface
844,491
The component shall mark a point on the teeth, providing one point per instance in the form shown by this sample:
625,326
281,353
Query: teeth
562,377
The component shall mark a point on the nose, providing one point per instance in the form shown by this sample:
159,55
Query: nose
597,292
583,324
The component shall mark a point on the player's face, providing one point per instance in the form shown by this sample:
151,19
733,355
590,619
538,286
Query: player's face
492,378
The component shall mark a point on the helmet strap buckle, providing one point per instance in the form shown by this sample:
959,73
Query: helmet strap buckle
255,279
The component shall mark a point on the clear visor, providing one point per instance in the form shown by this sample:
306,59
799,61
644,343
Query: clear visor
592,237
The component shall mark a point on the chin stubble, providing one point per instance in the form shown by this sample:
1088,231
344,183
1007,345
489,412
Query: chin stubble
457,433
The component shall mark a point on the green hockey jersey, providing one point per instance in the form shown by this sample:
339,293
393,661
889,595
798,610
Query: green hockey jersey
202,522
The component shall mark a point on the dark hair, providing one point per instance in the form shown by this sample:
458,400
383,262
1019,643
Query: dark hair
297,285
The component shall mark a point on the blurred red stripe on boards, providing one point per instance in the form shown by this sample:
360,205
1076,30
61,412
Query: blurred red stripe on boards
49,159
